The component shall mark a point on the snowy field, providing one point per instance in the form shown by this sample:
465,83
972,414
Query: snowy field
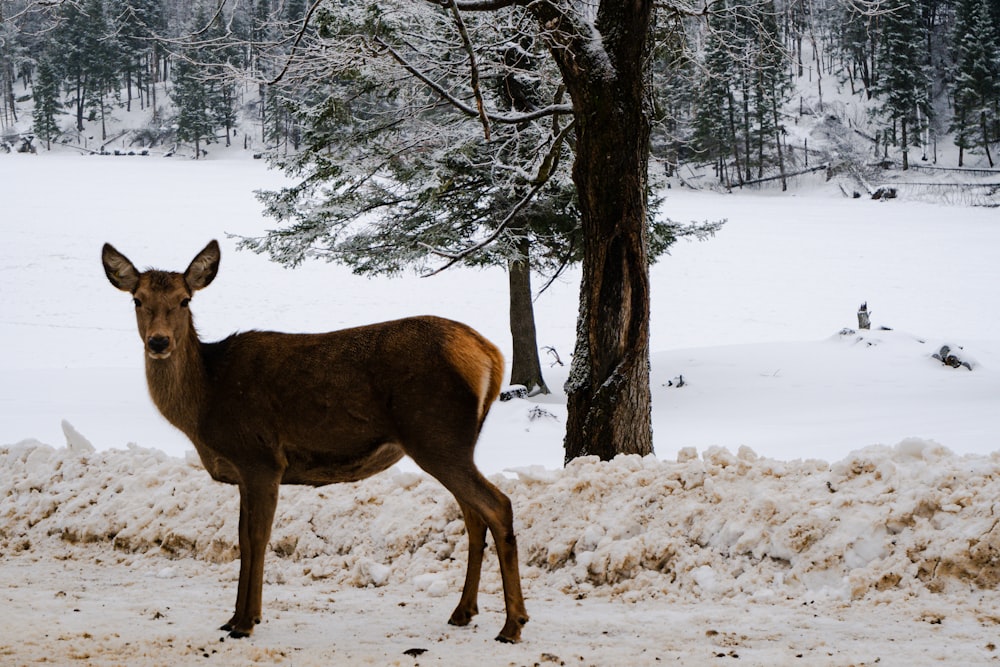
819,497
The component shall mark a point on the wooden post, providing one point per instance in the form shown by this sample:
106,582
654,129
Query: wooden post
864,317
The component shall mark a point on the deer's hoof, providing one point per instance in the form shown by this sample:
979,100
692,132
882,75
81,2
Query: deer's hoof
511,633
236,631
462,617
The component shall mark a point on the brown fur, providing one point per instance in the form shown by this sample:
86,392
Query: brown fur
265,408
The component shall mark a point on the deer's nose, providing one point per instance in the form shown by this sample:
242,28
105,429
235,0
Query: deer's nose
158,344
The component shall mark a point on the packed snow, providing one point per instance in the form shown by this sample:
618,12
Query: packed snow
821,495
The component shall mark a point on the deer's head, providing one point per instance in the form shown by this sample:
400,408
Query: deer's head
161,297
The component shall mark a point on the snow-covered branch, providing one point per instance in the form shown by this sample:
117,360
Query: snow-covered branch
468,110
456,257
473,68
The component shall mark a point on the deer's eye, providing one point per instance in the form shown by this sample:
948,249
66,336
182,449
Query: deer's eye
138,304
185,303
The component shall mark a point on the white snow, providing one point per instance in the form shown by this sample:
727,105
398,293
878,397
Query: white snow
819,497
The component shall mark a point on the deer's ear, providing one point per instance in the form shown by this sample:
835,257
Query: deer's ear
203,268
119,270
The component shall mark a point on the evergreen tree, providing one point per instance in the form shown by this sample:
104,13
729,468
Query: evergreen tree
46,94
743,90
139,22
715,132
903,82
8,105
204,92
976,82
856,42
89,57
190,95
770,90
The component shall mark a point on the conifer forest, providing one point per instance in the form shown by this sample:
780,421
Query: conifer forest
729,78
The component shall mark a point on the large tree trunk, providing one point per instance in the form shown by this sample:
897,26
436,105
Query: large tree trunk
525,366
608,390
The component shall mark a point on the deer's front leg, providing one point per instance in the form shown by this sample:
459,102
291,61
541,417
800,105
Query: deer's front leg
258,500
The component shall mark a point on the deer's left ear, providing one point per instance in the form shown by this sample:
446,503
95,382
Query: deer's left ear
203,268
119,270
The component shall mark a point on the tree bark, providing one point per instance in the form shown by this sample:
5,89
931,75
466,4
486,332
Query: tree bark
525,366
608,395
986,138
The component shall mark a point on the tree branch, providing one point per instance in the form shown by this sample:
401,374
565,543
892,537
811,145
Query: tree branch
482,5
474,68
295,45
456,257
465,108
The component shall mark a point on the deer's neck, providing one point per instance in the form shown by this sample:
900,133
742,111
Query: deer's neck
179,385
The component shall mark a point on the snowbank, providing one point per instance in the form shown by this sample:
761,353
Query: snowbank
885,521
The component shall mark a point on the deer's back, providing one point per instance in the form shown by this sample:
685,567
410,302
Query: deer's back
343,401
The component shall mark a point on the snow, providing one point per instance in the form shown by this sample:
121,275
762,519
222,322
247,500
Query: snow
820,496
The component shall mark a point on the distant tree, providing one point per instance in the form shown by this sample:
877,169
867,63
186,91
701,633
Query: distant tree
976,80
75,38
46,94
204,91
903,83
857,42
220,61
715,108
770,86
89,57
190,94
743,89
994,6
8,106
140,23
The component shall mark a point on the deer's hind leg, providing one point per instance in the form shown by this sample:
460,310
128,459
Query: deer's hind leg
476,528
476,495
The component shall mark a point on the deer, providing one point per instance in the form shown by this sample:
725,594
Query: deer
264,408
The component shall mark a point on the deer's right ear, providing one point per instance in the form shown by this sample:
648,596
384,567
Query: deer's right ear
119,270
203,268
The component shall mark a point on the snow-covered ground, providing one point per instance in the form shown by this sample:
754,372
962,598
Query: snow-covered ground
819,497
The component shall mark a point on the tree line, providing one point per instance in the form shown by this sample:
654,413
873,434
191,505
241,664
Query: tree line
725,78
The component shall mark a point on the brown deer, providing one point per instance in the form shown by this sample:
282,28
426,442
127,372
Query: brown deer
265,408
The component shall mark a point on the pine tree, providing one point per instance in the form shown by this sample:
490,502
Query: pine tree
976,83
89,57
856,42
77,38
903,82
770,90
714,134
138,22
204,93
46,94
190,95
